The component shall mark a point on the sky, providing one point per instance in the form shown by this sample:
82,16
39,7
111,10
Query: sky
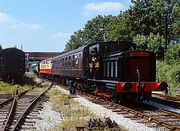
46,25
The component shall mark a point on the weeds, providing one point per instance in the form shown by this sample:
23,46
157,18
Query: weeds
10,88
72,113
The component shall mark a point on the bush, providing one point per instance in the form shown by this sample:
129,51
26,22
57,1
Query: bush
172,56
176,75
161,71
168,73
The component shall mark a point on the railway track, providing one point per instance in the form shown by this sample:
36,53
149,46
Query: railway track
173,101
18,111
4,97
149,115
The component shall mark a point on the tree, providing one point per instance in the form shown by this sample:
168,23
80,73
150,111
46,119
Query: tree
154,43
76,40
117,30
95,30
173,54
176,23
141,42
152,16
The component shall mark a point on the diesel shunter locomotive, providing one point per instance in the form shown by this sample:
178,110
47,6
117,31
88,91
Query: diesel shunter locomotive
115,70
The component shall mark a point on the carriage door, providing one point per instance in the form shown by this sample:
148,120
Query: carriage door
94,63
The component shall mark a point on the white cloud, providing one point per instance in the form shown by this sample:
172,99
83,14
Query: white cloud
30,26
61,35
103,7
4,17
16,24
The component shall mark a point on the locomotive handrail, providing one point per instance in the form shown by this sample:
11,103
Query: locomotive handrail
138,76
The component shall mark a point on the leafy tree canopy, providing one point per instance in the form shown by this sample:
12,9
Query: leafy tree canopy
152,24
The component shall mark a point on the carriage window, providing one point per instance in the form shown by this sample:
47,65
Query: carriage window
112,69
76,56
66,59
116,69
69,57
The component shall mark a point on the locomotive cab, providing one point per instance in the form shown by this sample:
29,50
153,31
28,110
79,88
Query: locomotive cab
97,51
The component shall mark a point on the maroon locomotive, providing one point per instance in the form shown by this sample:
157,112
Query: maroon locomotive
110,69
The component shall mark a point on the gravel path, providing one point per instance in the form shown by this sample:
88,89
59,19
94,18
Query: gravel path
49,117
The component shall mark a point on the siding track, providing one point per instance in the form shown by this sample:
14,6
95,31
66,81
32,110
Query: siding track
19,111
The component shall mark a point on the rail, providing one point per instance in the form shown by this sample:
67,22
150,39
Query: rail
121,108
6,125
27,110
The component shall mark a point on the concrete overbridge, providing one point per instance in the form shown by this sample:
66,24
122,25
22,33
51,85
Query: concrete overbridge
39,56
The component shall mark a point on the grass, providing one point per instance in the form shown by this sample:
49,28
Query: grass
40,88
10,88
72,113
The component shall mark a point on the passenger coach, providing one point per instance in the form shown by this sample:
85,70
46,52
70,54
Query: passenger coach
45,67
